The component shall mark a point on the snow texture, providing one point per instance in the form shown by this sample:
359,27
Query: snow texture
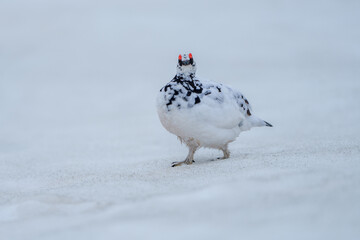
83,154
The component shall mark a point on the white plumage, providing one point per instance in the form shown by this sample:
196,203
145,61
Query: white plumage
203,113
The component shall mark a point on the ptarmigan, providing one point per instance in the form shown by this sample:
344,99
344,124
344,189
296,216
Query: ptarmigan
203,113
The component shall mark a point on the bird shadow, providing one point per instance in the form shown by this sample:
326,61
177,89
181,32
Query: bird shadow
220,159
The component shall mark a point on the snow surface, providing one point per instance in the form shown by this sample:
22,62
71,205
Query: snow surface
84,156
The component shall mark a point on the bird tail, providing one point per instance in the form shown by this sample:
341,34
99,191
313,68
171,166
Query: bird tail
267,124
257,122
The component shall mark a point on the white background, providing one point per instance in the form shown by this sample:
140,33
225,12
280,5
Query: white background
84,156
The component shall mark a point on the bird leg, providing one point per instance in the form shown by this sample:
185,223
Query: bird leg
189,159
226,152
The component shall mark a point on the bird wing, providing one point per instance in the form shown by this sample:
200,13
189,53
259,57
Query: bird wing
226,107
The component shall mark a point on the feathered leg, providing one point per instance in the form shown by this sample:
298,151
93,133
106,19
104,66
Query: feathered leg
189,159
226,152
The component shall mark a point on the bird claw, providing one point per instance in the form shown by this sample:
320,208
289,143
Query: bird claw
175,164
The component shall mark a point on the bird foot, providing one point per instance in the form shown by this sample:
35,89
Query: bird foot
175,164
226,156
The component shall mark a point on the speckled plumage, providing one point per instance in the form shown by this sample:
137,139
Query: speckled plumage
203,113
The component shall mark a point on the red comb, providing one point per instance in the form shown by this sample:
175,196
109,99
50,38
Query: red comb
190,55
180,57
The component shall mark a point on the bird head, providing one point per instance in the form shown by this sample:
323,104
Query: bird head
186,65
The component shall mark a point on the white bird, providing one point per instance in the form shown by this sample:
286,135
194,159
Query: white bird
203,113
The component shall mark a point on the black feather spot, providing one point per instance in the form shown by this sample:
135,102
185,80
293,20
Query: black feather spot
167,86
197,100
248,112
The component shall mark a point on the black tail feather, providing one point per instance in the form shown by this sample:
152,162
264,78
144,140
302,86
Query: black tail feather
268,124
